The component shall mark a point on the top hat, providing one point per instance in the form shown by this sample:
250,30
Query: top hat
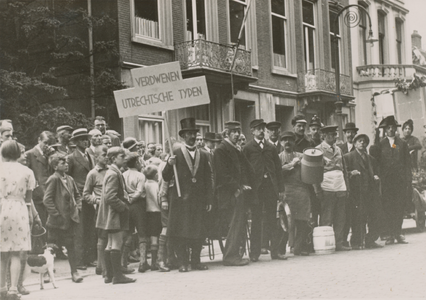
315,121
360,135
389,120
129,143
289,134
350,126
273,125
257,122
298,119
210,136
64,127
187,124
232,125
329,128
79,133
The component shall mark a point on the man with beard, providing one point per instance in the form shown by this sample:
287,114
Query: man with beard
264,159
79,165
63,134
395,173
37,160
101,125
314,130
302,140
233,174
187,212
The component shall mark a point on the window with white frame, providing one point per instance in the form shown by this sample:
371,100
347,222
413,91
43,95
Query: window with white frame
398,28
382,36
195,20
309,34
279,33
151,128
335,37
152,22
362,36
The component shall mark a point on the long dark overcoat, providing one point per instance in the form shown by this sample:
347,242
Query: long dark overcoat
187,213
113,210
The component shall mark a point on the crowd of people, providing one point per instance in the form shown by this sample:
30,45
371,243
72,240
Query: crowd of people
108,202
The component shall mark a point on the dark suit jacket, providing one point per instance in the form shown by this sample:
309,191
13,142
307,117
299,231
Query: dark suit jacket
232,170
303,143
61,201
40,166
113,213
364,182
279,147
78,168
344,148
264,161
187,213
395,163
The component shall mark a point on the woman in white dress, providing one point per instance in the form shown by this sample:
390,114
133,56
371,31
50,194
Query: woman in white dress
16,185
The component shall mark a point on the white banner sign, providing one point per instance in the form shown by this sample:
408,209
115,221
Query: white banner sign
160,88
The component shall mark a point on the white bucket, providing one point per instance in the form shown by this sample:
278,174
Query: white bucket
324,241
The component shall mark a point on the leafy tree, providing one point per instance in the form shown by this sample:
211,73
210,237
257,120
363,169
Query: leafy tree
45,65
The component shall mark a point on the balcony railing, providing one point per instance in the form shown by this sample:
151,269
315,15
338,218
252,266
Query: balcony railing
204,54
387,72
323,80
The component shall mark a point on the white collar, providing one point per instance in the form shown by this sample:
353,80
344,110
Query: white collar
258,141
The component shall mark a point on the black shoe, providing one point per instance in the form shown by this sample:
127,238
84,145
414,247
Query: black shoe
238,263
400,239
22,290
122,280
264,251
254,259
126,270
183,269
82,267
356,247
390,241
343,248
373,245
279,257
144,267
200,267
76,277
91,265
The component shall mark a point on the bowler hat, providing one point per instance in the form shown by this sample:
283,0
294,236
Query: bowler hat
289,134
257,122
361,135
64,127
315,121
210,136
218,137
79,133
187,124
298,119
350,126
273,125
232,125
329,128
389,120
129,143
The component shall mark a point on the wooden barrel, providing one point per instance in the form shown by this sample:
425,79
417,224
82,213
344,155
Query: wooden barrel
312,170
324,242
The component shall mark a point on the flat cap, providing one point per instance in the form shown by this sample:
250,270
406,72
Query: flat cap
288,134
273,125
298,119
257,122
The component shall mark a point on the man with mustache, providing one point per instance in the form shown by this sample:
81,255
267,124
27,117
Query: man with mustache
187,212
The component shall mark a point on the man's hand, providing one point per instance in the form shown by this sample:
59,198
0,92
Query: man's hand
172,160
208,207
355,173
164,205
237,193
288,167
376,177
246,188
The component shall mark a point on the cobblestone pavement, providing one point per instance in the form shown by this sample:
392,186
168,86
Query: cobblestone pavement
395,271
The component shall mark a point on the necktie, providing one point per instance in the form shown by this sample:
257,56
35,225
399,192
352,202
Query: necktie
191,149
261,144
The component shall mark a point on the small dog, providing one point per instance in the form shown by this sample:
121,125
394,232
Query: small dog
43,263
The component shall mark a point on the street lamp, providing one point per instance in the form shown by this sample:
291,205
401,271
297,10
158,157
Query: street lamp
352,19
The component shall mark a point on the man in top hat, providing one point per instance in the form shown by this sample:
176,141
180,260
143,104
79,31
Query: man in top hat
233,175
80,162
332,192
302,140
395,173
63,134
187,212
363,197
314,130
350,131
274,134
263,156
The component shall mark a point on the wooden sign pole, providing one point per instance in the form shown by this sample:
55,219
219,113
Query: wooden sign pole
166,127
